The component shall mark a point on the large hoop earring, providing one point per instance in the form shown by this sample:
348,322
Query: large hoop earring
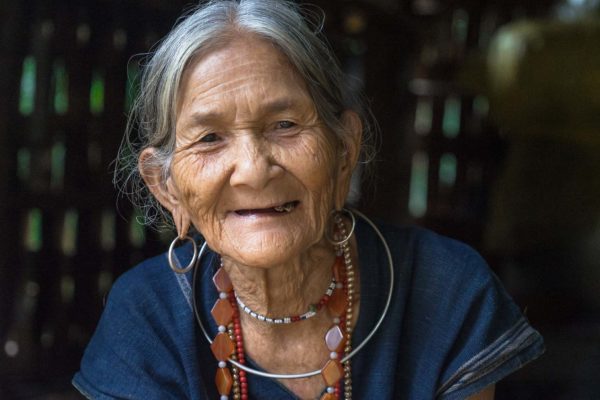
337,217
171,256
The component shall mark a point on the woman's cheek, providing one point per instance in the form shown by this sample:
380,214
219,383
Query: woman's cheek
197,180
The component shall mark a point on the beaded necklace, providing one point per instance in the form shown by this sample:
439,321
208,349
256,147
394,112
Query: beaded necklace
228,342
313,309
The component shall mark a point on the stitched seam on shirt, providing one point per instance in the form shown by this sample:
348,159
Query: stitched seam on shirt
184,285
507,345
475,375
81,390
470,375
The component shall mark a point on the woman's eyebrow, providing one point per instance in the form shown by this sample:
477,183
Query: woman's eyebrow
278,105
210,117
200,118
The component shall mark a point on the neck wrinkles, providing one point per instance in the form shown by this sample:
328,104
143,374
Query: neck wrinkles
286,289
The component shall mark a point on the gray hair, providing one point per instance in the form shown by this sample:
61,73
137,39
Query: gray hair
294,30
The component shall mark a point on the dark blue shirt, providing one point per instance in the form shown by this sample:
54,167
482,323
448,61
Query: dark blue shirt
451,329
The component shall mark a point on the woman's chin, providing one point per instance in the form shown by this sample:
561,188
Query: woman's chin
264,252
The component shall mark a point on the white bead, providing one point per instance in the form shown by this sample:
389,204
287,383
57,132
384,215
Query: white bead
223,295
333,355
330,389
224,397
222,364
336,320
222,328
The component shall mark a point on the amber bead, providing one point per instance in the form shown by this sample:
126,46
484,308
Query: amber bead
222,312
224,381
222,281
338,268
337,302
222,347
332,372
329,396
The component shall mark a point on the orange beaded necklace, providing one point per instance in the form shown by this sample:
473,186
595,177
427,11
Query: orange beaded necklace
229,345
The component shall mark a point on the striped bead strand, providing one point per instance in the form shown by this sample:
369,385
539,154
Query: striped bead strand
312,311
239,345
349,288
341,332
234,370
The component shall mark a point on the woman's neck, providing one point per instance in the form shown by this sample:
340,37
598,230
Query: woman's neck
287,289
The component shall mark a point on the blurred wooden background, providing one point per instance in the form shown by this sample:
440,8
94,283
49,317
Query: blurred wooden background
67,79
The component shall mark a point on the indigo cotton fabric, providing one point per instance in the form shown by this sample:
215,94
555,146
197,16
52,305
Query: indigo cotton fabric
451,329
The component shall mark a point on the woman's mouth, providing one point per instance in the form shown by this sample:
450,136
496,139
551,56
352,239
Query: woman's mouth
284,208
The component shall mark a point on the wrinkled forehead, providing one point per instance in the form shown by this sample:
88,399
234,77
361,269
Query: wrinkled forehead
229,59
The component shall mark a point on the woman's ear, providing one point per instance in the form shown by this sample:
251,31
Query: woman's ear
351,150
164,190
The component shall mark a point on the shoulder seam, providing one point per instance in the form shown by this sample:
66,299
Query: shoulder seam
510,343
183,283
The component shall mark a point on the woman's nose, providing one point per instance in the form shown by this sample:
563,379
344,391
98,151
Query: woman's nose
254,164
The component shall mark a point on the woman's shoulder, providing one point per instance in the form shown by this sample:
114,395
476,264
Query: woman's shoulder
147,272
145,310
151,277
451,310
426,251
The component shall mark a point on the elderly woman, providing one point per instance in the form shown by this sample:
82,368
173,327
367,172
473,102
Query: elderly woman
249,135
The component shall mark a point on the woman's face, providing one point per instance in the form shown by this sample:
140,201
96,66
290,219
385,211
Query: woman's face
254,168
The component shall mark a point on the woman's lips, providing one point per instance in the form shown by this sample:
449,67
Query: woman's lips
284,208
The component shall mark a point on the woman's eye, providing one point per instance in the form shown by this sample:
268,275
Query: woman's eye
285,124
210,138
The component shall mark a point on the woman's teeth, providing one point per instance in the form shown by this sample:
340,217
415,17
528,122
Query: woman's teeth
284,208
287,207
